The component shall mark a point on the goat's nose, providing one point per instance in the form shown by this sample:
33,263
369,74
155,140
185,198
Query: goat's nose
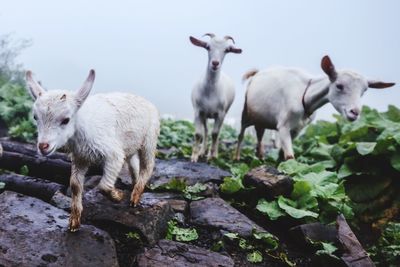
355,111
215,63
43,146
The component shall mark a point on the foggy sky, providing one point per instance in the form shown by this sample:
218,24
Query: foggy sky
143,47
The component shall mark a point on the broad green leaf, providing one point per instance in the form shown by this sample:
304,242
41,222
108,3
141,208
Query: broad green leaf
291,207
270,208
365,148
231,185
267,239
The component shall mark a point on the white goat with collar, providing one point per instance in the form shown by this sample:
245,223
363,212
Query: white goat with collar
286,99
105,128
212,95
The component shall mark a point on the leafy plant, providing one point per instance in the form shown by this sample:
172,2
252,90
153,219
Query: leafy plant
259,242
255,257
15,102
133,236
180,234
317,193
387,251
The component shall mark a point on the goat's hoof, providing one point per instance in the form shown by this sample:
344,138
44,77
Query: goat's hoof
194,159
74,225
289,157
116,195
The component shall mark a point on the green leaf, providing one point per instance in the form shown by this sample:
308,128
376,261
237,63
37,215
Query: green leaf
231,185
268,239
365,148
395,161
180,234
190,192
232,235
298,209
255,257
270,208
24,170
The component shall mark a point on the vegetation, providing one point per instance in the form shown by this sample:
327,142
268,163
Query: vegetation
16,104
341,167
177,233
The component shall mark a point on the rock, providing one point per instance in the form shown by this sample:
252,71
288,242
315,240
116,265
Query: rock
174,254
150,218
61,201
216,213
315,232
190,172
34,233
354,254
176,201
268,182
31,186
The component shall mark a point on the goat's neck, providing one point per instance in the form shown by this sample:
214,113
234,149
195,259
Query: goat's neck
212,77
317,94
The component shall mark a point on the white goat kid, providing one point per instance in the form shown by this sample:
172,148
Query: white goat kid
212,96
286,99
105,128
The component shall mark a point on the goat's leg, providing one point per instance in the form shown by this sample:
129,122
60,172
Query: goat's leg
260,146
198,137
78,172
147,162
134,167
286,142
215,134
112,167
203,150
240,140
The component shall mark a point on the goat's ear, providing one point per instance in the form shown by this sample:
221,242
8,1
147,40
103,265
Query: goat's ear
379,84
34,88
234,50
198,42
83,93
328,67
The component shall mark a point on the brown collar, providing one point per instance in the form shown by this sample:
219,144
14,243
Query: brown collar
306,113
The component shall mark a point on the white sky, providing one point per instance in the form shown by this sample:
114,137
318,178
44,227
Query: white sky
143,47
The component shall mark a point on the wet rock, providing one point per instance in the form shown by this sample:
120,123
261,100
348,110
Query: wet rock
61,201
216,213
268,182
174,254
34,233
150,218
176,201
315,232
354,254
190,172
31,186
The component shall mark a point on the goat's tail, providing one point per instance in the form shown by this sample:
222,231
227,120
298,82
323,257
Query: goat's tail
249,74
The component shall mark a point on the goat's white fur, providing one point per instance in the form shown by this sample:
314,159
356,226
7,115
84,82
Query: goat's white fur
104,128
212,95
274,100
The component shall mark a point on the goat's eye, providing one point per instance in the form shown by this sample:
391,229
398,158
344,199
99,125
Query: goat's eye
65,121
339,87
34,117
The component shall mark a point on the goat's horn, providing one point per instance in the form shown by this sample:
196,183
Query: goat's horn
229,38
209,34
